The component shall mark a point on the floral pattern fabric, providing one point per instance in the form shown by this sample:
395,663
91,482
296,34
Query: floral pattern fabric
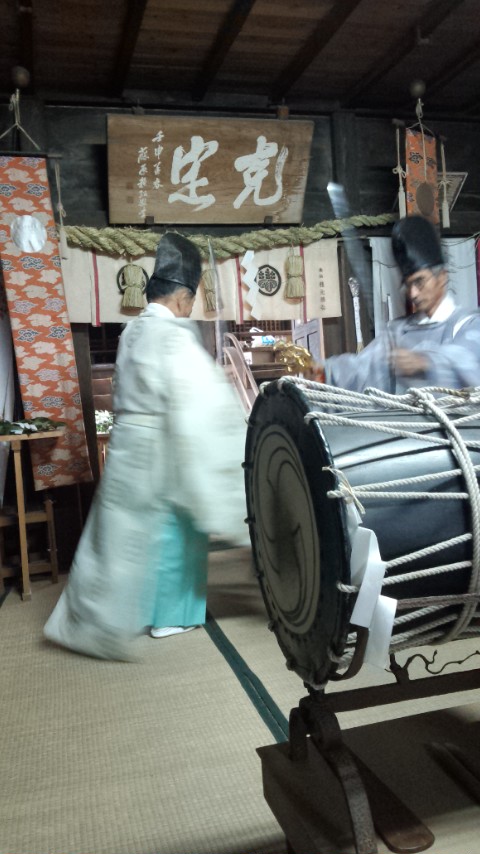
42,336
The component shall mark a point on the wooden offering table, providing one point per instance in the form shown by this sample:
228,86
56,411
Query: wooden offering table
22,516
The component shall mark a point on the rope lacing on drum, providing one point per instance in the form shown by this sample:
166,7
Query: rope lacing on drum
428,550
415,575
460,449
373,398
383,427
437,402
345,489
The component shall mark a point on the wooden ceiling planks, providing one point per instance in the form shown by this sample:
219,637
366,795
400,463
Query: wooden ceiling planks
421,27
268,41
325,30
76,45
173,44
131,29
357,54
433,53
226,35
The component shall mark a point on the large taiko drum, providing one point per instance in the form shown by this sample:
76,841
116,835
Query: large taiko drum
324,466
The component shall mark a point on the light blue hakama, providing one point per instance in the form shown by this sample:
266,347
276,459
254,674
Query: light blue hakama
179,589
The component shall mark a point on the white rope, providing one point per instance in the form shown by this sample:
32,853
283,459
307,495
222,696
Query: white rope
60,208
400,171
371,398
420,612
347,588
436,547
460,450
414,637
14,107
430,605
417,574
425,640
399,639
383,427
409,481
419,113
443,188
346,491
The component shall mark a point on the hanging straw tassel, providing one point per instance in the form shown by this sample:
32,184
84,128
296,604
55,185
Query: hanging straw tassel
400,171
295,276
208,281
443,189
133,282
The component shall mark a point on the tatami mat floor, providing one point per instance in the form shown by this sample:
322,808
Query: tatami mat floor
159,756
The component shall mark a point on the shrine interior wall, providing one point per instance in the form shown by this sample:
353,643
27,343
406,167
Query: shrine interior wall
356,150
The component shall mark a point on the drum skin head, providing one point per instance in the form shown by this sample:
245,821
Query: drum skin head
299,536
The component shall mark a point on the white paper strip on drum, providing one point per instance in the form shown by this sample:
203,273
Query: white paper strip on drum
368,570
380,633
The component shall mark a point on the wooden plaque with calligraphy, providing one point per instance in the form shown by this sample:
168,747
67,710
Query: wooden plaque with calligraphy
193,170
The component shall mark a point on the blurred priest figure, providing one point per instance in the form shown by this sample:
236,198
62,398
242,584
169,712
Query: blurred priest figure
437,345
173,476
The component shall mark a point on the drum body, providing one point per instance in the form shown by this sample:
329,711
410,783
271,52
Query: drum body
302,536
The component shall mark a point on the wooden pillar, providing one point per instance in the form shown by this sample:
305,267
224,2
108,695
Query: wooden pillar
81,346
72,503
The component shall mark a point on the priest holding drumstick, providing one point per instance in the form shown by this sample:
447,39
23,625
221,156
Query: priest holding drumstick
437,345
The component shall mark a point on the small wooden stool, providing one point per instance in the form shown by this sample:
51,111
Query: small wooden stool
22,516
24,566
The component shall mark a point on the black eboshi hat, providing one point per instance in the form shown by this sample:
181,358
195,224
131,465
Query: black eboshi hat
416,245
178,260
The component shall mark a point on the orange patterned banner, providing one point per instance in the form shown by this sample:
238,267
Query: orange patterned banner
41,330
421,179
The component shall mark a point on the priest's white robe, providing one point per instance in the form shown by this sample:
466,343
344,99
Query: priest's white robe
177,442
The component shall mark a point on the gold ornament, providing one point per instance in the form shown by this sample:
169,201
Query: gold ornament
295,358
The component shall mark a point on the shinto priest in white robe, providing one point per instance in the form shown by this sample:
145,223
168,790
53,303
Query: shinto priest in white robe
177,442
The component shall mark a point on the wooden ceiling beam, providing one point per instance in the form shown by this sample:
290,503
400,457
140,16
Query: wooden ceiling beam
435,15
228,32
322,34
131,28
